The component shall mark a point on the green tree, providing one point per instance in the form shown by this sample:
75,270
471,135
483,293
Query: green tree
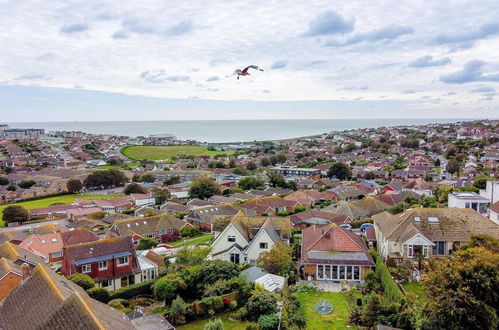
134,188
74,186
178,308
481,182
214,324
83,280
453,166
98,293
147,243
149,178
160,195
215,270
339,170
281,158
3,181
15,213
398,208
268,322
278,260
202,188
166,287
265,162
190,231
372,311
261,303
251,182
251,166
276,179
26,184
105,179
274,160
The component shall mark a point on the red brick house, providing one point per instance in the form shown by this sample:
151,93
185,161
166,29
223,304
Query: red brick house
332,253
112,263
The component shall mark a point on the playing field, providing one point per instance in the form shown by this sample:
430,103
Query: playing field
167,152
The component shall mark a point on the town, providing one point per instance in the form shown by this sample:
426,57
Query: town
393,226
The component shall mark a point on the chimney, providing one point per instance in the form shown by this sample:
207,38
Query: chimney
25,271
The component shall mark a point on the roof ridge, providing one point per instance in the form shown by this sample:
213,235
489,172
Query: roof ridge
89,311
44,273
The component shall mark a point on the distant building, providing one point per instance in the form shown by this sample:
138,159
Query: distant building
297,172
468,200
18,133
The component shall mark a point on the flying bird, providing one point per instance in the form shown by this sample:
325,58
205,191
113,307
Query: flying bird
245,72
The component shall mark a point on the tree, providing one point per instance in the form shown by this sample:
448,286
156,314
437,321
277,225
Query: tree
98,293
26,184
134,188
251,166
265,162
481,182
105,179
166,287
147,243
3,181
276,179
261,303
11,188
453,166
172,180
278,260
464,289
160,195
437,162
170,236
372,311
215,270
190,231
15,213
273,160
214,324
194,256
268,322
369,176
178,308
74,186
82,280
149,178
202,188
251,182
339,170
398,208
429,201
281,158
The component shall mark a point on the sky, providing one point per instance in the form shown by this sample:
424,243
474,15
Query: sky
160,60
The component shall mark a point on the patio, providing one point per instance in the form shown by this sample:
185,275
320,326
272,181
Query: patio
330,286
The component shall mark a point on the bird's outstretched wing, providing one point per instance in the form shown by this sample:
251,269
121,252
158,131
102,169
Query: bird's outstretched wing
251,67
238,71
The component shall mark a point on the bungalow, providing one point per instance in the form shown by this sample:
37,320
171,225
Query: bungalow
173,208
270,205
112,263
203,216
244,238
19,255
333,253
306,219
10,276
428,231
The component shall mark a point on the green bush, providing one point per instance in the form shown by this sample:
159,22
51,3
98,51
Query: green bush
147,243
268,322
261,303
120,304
390,288
131,291
218,303
190,231
98,293
83,280
215,324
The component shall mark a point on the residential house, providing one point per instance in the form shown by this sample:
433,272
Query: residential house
310,197
244,238
358,208
491,191
348,193
494,212
297,172
14,236
19,255
270,205
173,208
306,219
332,253
45,300
10,276
149,227
112,263
468,200
419,186
203,216
428,231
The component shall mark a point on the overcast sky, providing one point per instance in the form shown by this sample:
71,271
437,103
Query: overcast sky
146,60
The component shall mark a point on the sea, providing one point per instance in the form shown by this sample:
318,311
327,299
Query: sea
220,131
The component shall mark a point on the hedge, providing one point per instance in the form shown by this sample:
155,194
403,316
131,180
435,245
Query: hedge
392,291
131,291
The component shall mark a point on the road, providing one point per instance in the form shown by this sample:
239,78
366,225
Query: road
29,227
443,165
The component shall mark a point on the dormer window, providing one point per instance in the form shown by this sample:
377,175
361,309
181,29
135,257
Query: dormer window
432,219
417,219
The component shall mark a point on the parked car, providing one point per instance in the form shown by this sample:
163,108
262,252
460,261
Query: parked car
166,246
346,226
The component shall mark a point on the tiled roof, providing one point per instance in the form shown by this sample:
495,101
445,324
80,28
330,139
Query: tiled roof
330,217
7,266
147,225
247,225
494,207
14,252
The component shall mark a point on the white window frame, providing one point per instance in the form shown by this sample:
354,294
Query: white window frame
410,251
265,247
57,254
119,264
84,269
231,237
105,263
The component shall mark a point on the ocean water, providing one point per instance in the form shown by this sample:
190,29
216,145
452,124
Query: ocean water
226,130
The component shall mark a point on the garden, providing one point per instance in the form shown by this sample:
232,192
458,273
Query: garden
168,152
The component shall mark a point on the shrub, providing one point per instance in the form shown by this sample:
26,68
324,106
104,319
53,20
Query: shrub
131,291
268,322
147,243
241,314
218,303
190,231
391,289
120,304
178,308
215,270
215,324
167,286
98,293
222,287
261,303
226,301
170,236
98,215
83,280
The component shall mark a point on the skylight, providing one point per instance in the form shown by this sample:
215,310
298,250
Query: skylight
417,219
432,219
54,240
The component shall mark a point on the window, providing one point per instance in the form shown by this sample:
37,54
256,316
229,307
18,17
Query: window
102,265
439,248
231,238
57,254
54,240
43,241
432,219
105,283
86,268
335,272
123,261
356,272
234,257
320,271
342,272
349,272
425,251
410,251
417,219
264,245
327,272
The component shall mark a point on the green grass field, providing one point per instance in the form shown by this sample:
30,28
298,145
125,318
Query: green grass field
40,203
228,324
336,320
108,167
167,152
203,239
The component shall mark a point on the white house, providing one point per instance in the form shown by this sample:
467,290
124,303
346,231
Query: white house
468,200
244,238
494,212
491,191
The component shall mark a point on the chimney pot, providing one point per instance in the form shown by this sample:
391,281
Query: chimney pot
25,271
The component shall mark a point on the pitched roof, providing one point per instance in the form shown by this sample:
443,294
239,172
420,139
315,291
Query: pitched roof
7,266
64,306
315,216
148,225
13,235
436,224
14,252
78,235
494,207
249,226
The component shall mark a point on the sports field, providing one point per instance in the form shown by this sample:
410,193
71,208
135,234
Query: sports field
167,152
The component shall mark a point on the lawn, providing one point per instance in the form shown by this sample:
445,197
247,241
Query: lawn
228,324
336,320
167,152
44,202
124,165
416,289
203,239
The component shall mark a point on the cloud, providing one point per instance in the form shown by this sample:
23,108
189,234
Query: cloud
450,93
160,76
143,26
279,65
482,89
409,91
472,71
180,28
469,36
265,91
32,76
386,33
46,57
329,22
353,88
427,61
74,28
120,34
214,78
